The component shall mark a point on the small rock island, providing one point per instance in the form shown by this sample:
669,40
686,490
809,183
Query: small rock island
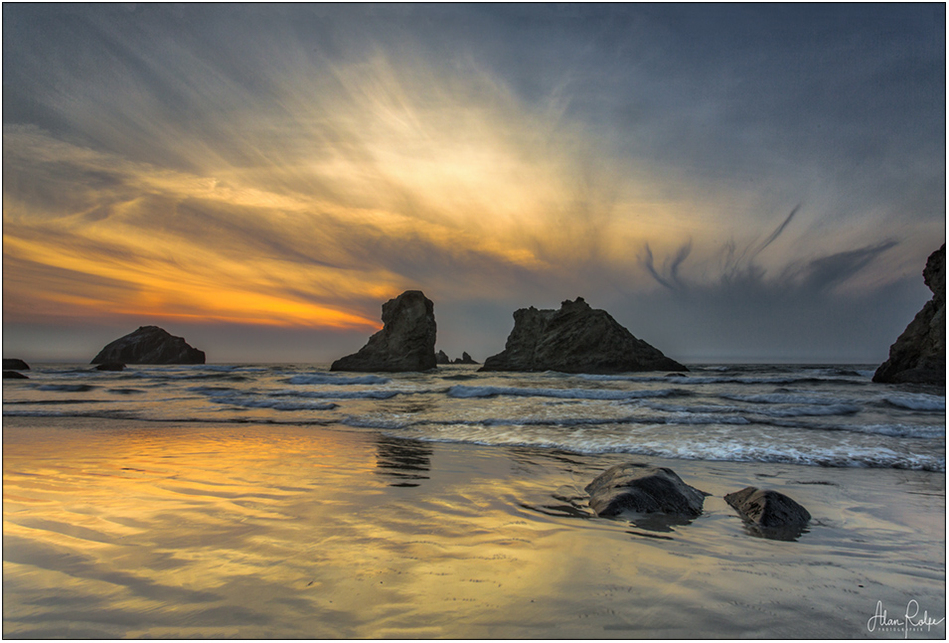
919,354
405,343
575,339
149,345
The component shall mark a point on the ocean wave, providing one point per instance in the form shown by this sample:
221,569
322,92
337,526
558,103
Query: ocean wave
67,388
336,380
785,398
923,431
755,412
371,394
462,391
707,449
775,380
278,405
227,394
166,376
917,401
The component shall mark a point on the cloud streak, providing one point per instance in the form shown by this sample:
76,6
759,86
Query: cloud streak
294,167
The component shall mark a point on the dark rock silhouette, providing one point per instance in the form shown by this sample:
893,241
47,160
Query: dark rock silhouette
149,345
769,513
919,354
405,343
15,364
13,375
111,366
464,359
643,488
575,339
442,358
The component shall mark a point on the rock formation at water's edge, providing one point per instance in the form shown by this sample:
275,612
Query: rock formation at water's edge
919,354
405,343
149,345
642,488
575,339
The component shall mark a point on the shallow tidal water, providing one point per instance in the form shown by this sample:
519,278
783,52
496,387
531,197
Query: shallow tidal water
130,528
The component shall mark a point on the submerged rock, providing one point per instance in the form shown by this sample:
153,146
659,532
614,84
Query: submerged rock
464,359
769,513
575,339
13,375
643,488
919,354
15,364
405,343
442,358
111,366
149,345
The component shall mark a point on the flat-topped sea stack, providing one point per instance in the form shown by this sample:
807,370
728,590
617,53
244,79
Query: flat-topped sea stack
575,339
149,345
405,343
919,354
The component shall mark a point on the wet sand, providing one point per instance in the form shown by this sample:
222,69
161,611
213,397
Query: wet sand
134,529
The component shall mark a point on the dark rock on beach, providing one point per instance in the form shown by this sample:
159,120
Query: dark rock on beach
111,366
919,354
643,488
14,364
769,513
405,343
442,358
149,345
13,375
464,359
575,339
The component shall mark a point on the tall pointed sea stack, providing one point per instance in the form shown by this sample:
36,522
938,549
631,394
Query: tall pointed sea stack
575,339
149,345
405,343
919,354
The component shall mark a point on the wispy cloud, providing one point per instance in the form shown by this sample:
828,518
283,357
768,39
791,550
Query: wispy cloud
295,166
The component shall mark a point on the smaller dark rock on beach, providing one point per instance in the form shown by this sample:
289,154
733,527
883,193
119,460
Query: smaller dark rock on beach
642,488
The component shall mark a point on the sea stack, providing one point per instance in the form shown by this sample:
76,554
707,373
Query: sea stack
919,354
464,359
15,364
575,339
149,345
405,343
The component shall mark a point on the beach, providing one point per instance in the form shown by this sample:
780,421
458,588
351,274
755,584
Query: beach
132,528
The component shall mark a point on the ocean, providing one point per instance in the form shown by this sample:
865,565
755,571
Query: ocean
287,501
831,416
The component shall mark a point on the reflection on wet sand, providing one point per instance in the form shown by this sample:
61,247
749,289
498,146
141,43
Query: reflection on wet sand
133,530
407,461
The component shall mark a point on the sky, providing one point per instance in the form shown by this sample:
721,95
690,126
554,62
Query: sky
733,182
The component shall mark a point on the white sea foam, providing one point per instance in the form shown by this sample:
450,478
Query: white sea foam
336,380
785,398
279,405
699,448
463,391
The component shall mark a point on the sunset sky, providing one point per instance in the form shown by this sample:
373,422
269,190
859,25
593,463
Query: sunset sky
731,182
